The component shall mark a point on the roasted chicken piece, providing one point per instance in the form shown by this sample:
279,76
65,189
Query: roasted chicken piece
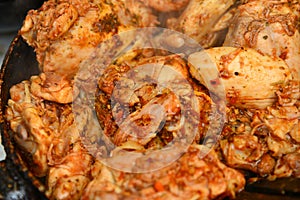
34,124
53,87
204,21
46,132
167,5
69,175
69,161
271,27
264,141
147,102
65,33
190,177
250,79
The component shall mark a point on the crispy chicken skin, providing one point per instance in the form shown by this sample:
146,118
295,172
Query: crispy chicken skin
271,27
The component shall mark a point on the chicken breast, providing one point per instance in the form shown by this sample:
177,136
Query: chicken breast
270,27
250,79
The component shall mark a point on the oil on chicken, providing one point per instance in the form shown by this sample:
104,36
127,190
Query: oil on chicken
255,48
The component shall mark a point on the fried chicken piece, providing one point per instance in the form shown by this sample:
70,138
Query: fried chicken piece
271,27
204,20
167,5
190,177
68,177
34,123
263,141
288,165
65,33
250,79
70,30
52,87
147,102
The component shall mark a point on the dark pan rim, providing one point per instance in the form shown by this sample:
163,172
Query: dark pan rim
13,168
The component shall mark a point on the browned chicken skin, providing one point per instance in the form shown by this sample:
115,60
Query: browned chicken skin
190,177
271,27
144,101
204,20
260,140
61,139
72,30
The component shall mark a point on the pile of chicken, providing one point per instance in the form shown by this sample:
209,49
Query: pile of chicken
253,43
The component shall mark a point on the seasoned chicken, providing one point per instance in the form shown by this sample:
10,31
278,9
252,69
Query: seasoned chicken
264,141
144,116
271,27
65,33
71,30
153,88
53,87
34,124
69,162
250,79
204,20
69,175
167,5
190,177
